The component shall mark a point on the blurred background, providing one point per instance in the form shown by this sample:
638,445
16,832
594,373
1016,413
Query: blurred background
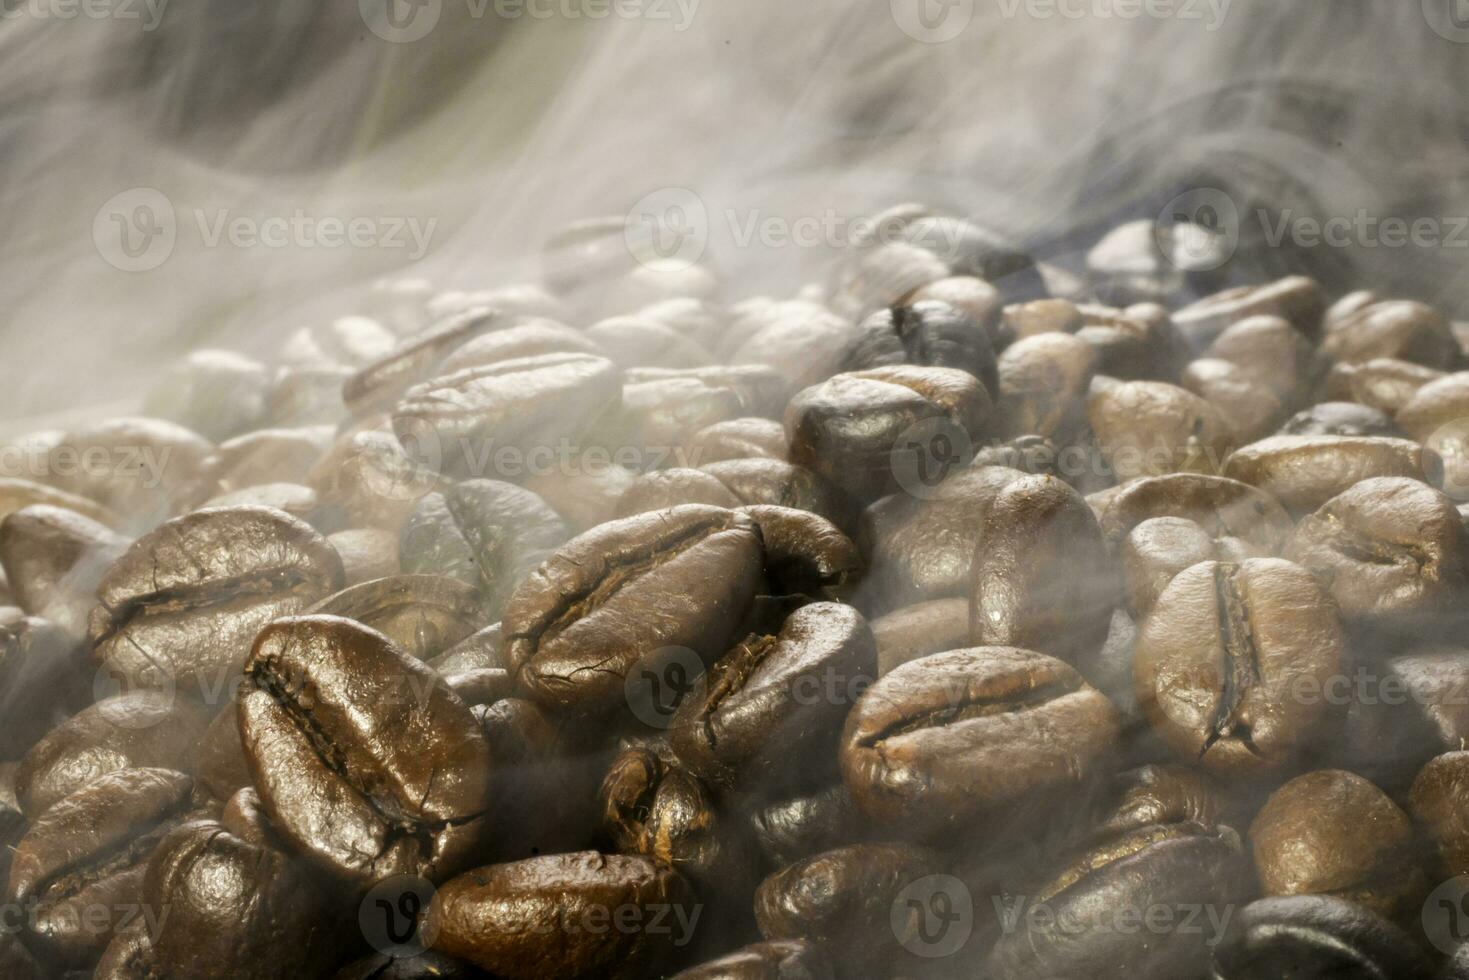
223,172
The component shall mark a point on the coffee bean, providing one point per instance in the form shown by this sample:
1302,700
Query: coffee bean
1383,383
1402,709
1160,794
17,494
1150,428
586,497
1304,472
348,341
986,737
217,393
918,630
793,959
806,554
1224,508
926,333
605,604
1161,547
1315,936
183,603
484,649
263,456
367,553
425,966
148,466
1043,386
530,337
424,615
1248,409
54,559
584,914
739,438
43,675
363,758
222,768
1402,329
1437,802
1339,419
1295,299
805,342
1331,832
970,295
379,383
637,342
370,479
1271,349
1229,658
792,829
737,483
308,396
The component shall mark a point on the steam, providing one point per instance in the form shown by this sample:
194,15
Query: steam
496,128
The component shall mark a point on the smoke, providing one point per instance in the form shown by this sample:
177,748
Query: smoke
300,152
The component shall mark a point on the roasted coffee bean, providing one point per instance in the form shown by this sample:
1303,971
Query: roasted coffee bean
788,830
1271,349
739,438
222,769
627,595
922,547
367,553
1028,454
17,494
454,421
793,959
133,731
1044,382
806,554
1296,299
1222,507
1340,419
1179,867
150,466
805,342
1331,832
915,631
776,697
1304,472
348,341
264,456
182,605
1315,937
761,390
634,341
666,414
1043,578
1391,549
1437,802
543,792
217,393
1383,383
1161,547
530,337
308,396
17,963
236,909
970,295
737,483
87,853
842,901
481,686
1160,794
424,615
1402,329
849,429
363,758
54,559
1143,260
300,501
43,674
424,966
1248,409
1402,709
927,333
1438,416
988,737
1150,428
700,320
484,649
882,275
1228,659
381,382
370,479
550,916
586,497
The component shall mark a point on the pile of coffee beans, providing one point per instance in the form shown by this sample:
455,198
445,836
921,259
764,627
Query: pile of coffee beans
961,616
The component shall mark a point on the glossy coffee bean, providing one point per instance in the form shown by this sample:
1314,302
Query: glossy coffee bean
1304,472
1149,428
1437,802
54,559
43,675
584,914
484,649
363,758
1222,507
787,830
1392,549
1189,877
1271,349
848,429
530,337
424,966
1403,329
792,959
222,769
1160,794
133,731
738,483
80,865
424,615
264,456
236,909
616,599
918,630
183,604
299,501
774,697
543,792
928,333
842,901
1232,661
1161,547
804,341
379,383
1402,709
1339,419
18,494
665,414
1044,382
1331,832
1043,578
806,554
370,480
988,737
1383,383
1248,409
1315,937
1295,299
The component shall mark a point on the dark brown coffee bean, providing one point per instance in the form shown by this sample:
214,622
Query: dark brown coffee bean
1391,549
737,483
806,554
481,686
1043,387
367,553
1315,936
1403,329
545,794
236,909
17,962
377,385
1333,833
776,697
223,770
1043,578
1222,507
424,615
1439,803
986,737
1339,419
849,428
842,901
1181,867
1150,428
1271,349
81,863
1161,547
584,915
182,605
918,630
363,758
1231,661
1304,472
618,598
43,675
792,959
972,296
134,731
926,333
484,649
54,559
216,393
1160,794
790,830
1294,298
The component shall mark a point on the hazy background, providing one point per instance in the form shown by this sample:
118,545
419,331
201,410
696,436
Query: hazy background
498,124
